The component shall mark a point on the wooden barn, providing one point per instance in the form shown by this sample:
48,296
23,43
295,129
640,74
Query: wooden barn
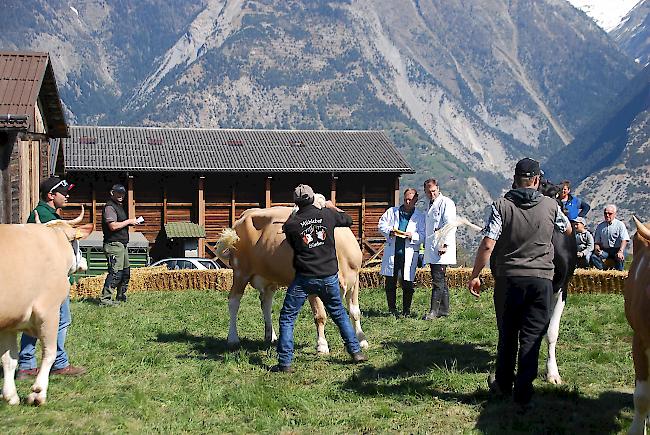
209,176
31,114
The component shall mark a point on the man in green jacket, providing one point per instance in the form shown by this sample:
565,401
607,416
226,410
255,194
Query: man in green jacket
54,195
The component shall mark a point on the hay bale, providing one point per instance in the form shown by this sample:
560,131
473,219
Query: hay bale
158,279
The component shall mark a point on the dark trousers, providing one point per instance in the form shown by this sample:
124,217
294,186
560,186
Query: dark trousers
598,260
523,309
391,288
439,290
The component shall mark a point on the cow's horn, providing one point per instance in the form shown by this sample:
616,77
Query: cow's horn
78,219
641,229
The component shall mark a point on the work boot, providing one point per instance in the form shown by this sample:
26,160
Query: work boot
281,369
106,297
121,294
26,373
359,357
443,310
391,300
407,298
435,306
69,370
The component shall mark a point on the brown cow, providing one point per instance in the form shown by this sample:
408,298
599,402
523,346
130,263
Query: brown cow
637,307
257,251
36,262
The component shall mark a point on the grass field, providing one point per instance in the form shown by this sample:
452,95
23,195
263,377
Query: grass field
160,364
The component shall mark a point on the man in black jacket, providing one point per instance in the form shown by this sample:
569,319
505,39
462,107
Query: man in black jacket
518,237
310,232
115,225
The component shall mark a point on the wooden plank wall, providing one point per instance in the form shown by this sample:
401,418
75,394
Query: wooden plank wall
161,198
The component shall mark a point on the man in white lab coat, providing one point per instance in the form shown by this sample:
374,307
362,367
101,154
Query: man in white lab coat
403,228
439,252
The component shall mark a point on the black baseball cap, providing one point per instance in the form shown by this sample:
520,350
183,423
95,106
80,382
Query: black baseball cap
527,168
118,188
55,184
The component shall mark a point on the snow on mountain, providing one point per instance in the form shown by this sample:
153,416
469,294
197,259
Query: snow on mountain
606,13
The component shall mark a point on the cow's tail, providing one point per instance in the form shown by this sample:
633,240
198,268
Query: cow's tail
442,233
225,244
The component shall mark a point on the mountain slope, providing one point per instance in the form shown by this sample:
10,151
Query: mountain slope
633,33
611,159
464,88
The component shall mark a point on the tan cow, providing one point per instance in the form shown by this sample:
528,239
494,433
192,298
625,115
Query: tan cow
36,261
637,307
257,251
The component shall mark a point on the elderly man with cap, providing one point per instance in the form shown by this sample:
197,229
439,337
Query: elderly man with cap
54,195
115,226
584,241
310,232
518,236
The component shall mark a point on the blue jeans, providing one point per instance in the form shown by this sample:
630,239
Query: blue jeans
598,260
327,289
27,357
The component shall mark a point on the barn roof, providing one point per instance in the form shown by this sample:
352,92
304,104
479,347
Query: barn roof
141,149
25,79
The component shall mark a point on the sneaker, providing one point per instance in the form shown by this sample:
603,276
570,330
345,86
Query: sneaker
26,373
281,369
108,303
69,370
359,357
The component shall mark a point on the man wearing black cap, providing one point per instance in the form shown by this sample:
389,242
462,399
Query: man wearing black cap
54,195
518,236
115,225
310,232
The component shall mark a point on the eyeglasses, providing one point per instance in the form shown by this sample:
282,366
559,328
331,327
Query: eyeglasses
62,183
608,212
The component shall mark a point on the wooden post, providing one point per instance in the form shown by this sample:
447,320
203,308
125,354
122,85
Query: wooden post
396,193
93,211
362,224
267,201
232,206
333,189
201,201
164,205
131,202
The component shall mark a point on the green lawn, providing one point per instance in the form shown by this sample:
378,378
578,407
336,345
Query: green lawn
161,364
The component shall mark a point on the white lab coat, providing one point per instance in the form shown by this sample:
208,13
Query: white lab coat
390,221
441,212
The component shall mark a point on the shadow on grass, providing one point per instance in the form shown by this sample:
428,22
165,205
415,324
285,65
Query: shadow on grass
216,348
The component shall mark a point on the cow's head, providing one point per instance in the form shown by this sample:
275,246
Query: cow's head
74,233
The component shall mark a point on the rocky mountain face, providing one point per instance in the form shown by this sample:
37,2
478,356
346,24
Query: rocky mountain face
464,88
633,33
611,157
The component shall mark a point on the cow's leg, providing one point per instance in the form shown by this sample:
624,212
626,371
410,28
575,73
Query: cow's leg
267,290
642,389
9,352
552,372
47,334
352,296
234,301
320,316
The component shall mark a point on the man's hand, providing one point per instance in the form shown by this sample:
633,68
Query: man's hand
581,254
597,249
330,204
474,287
620,256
